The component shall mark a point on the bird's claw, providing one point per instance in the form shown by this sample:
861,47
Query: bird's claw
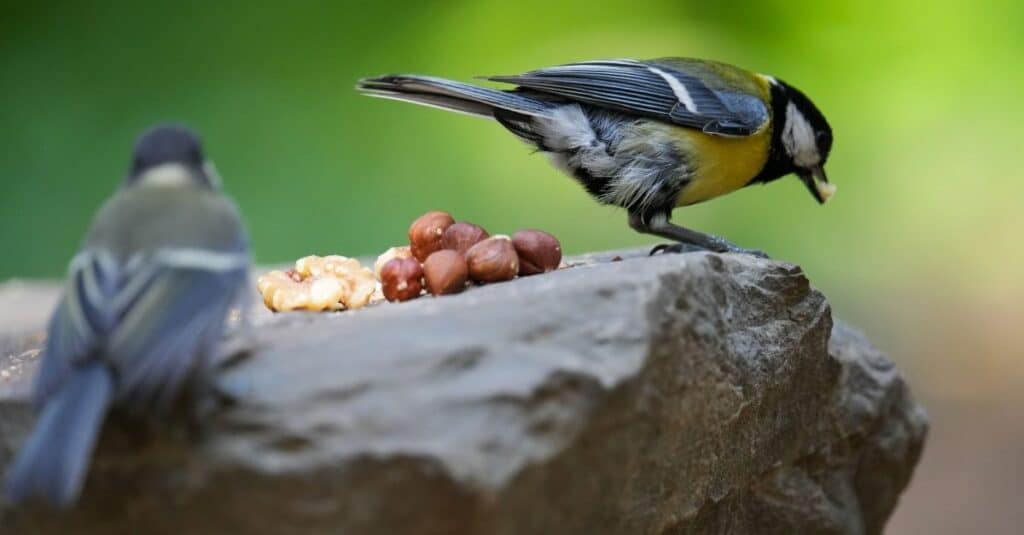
752,252
675,248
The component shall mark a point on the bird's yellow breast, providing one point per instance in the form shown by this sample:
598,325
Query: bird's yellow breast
720,165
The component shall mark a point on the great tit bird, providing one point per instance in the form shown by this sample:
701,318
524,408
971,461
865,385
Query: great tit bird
144,304
648,135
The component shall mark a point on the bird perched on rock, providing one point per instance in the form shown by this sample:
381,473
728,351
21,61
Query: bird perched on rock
648,135
144,303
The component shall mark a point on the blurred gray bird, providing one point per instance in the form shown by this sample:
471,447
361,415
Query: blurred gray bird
145,303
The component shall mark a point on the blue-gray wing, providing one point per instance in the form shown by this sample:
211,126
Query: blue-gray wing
158,315
675,92
177,319
80,322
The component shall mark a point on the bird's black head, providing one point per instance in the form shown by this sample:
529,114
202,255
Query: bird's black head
170,154
801,140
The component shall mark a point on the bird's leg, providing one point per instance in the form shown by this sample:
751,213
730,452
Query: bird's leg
686,240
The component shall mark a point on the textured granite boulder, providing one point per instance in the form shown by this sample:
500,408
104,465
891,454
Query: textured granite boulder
688,393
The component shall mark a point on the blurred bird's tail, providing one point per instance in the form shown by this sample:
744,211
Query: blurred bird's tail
454,96
52,463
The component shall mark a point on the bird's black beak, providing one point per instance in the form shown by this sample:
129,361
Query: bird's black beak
817,183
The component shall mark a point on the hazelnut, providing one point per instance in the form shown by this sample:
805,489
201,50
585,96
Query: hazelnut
539,252
425,233
401,279
445,272
462,235
492,260
387,256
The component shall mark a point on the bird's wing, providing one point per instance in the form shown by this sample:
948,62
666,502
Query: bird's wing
676,92
146,317
177,313
80,322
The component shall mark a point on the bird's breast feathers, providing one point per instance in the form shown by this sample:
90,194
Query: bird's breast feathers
719,165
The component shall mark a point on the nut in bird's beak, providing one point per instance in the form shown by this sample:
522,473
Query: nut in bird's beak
817,183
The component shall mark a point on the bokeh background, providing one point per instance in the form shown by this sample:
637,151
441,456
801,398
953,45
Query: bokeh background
921,247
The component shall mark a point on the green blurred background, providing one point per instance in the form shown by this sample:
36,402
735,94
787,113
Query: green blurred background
920,247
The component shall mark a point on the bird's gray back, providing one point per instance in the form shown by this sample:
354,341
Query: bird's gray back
146,218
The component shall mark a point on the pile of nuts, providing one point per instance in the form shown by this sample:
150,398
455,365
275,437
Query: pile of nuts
445,256
318,283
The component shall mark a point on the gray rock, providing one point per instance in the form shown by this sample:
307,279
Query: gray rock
686,393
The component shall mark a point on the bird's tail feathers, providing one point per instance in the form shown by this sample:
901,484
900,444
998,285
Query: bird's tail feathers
52,463
452,95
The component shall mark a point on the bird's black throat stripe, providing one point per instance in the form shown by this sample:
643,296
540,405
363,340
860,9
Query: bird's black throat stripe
778,164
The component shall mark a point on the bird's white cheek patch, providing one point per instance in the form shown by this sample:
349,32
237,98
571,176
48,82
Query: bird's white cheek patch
798,137
169,174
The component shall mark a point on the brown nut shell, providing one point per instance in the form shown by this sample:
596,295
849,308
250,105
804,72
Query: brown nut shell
389,255
445,272
462,235
539,252
426,232
493,260
401,279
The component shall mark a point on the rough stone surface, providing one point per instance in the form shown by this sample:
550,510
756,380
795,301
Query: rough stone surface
694,393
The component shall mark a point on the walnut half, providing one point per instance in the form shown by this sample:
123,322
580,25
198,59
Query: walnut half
318,283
